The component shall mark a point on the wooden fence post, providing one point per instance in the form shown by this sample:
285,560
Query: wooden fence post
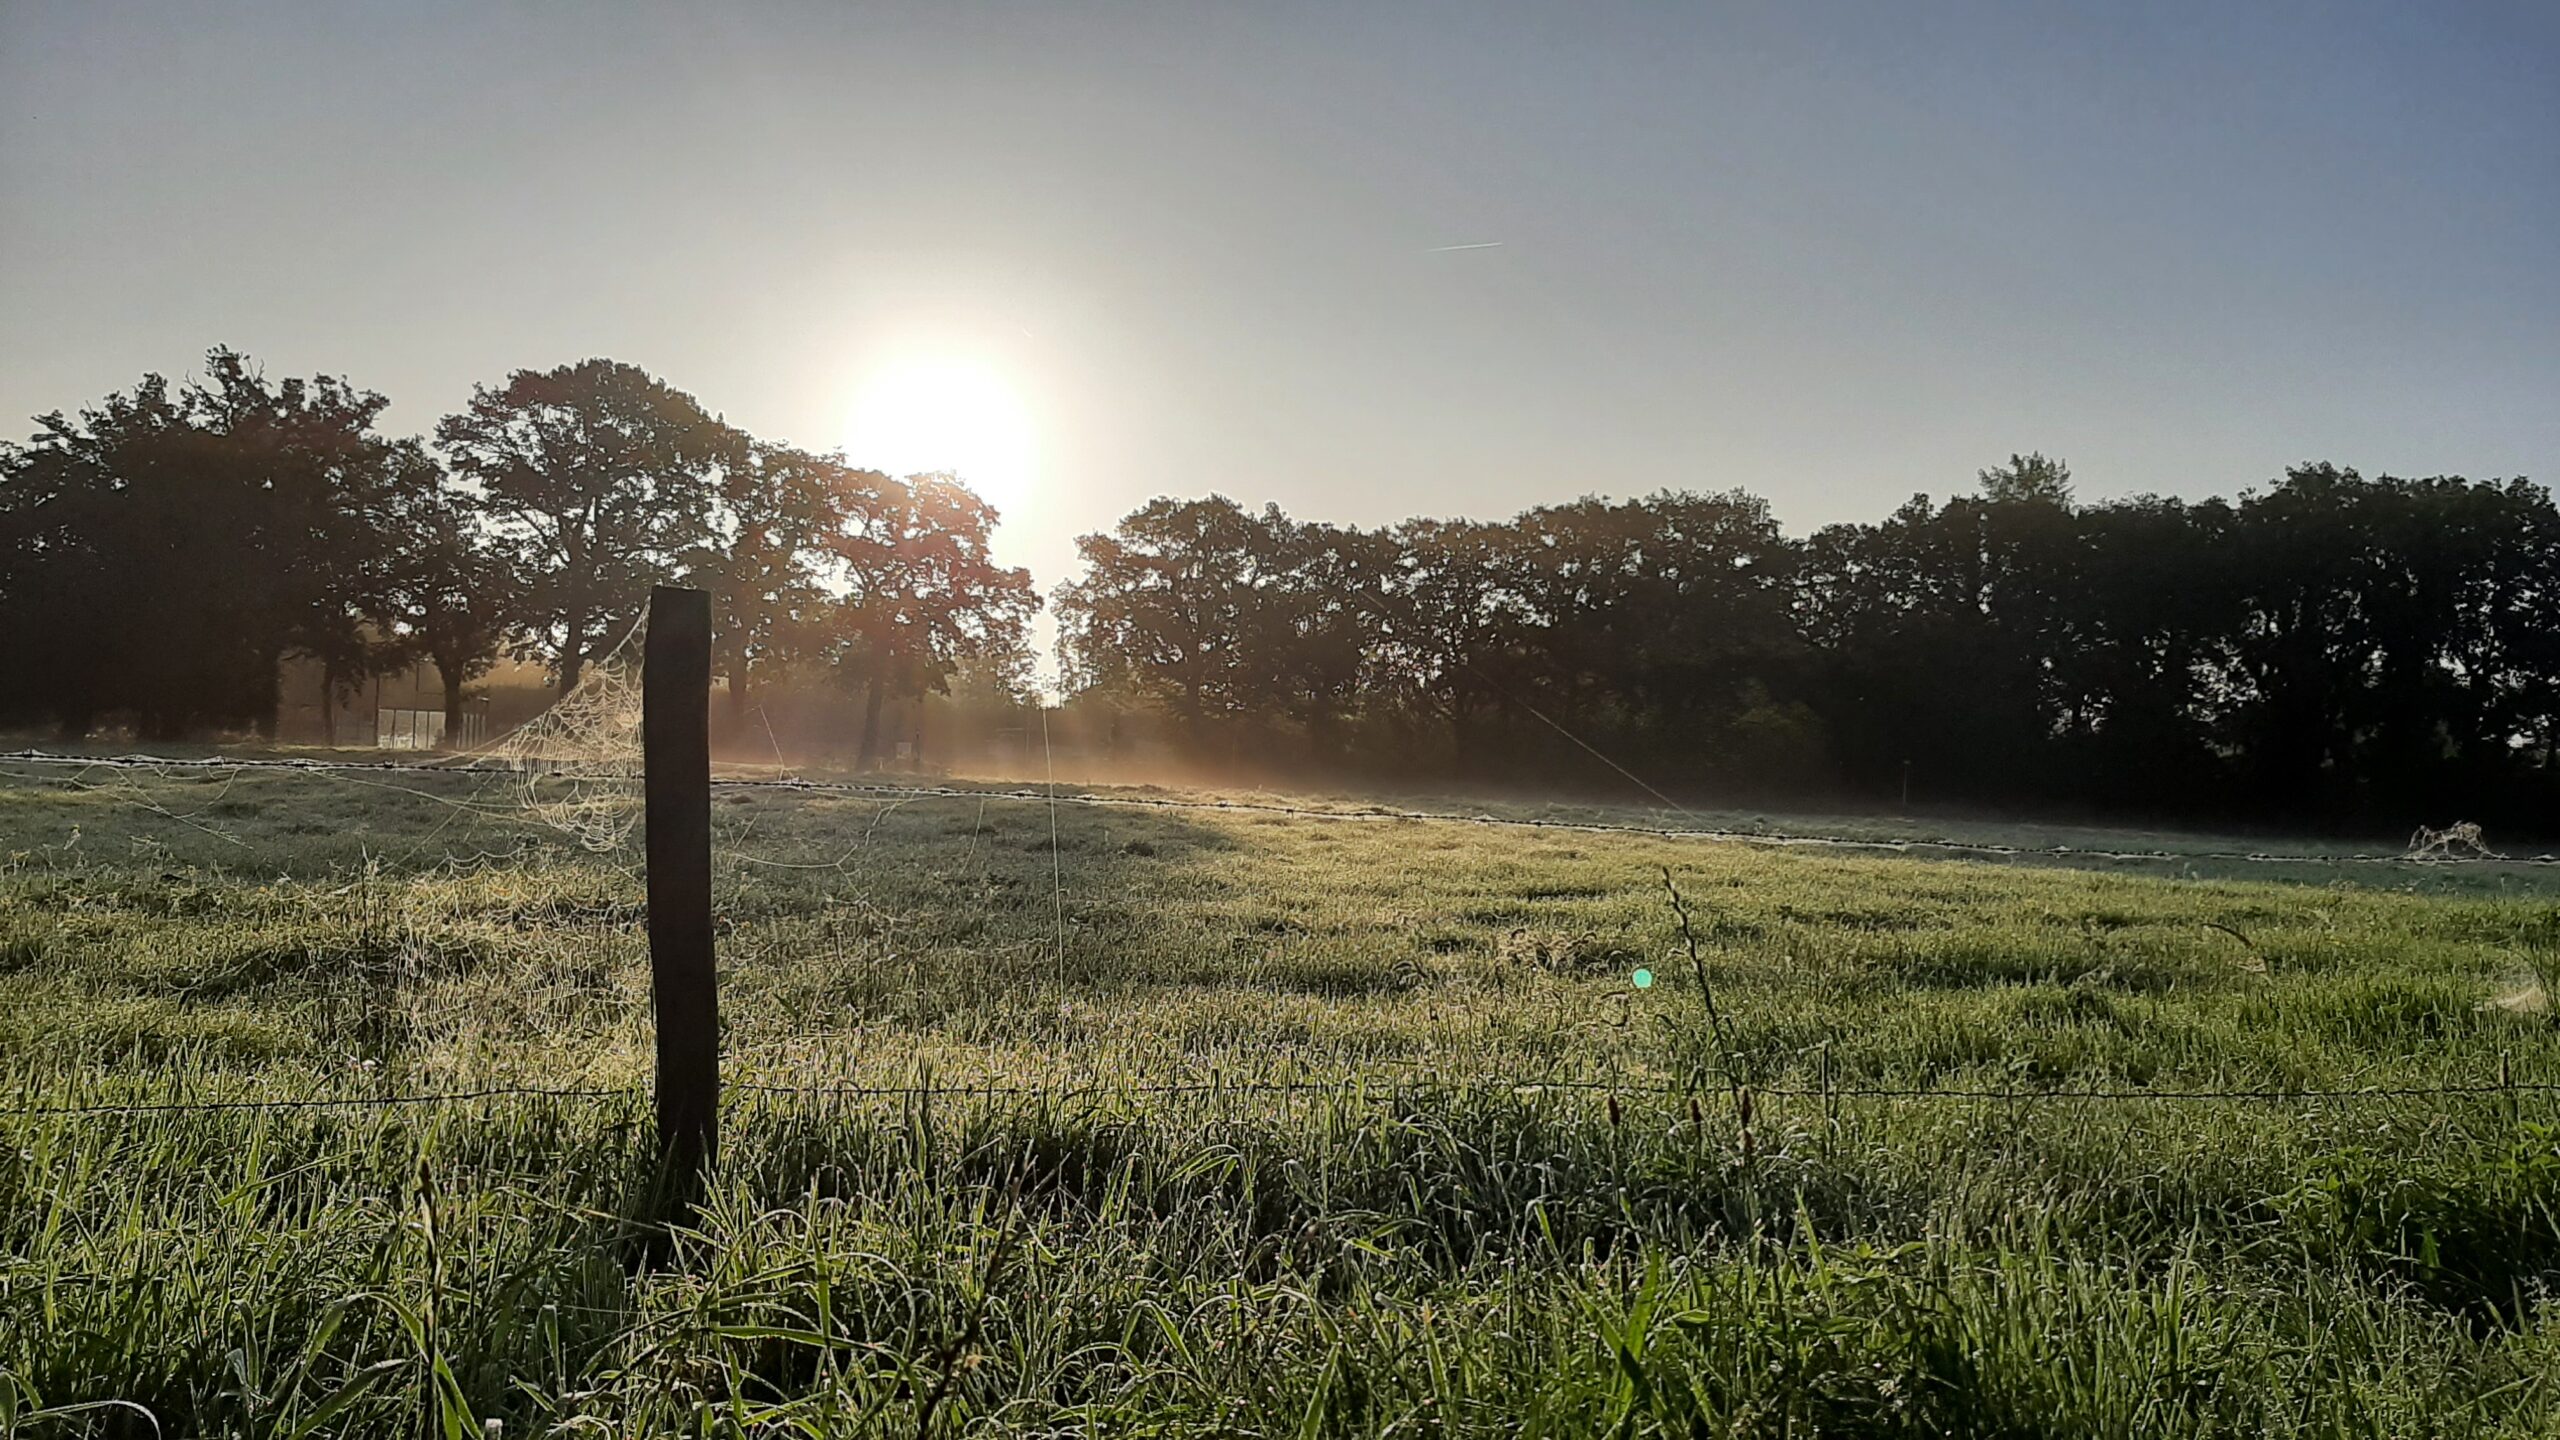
675,742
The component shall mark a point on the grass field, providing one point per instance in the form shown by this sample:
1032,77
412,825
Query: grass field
1257,1123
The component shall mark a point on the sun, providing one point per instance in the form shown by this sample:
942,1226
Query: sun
920,414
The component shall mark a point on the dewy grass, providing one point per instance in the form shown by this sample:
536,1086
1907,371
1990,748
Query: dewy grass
1418,1238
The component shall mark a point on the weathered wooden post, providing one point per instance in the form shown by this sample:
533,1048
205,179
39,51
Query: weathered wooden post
675,744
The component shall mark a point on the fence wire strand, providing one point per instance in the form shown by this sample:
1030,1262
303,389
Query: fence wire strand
1372,1086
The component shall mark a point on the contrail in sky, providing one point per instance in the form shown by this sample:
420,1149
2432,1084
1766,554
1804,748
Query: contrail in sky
1478,245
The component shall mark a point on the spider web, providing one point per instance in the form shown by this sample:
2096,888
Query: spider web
2460,840
577,765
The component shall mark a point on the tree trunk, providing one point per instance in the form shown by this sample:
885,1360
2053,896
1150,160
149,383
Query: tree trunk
329,705
870,751
1324,736
729,726
1462,731
452,677
270,697
573,650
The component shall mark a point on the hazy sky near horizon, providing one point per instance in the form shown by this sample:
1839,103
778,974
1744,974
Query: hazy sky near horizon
1833,254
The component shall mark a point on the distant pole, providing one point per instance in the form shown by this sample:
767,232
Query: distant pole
1906,784
675,741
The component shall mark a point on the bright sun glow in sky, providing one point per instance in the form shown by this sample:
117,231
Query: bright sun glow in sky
915,414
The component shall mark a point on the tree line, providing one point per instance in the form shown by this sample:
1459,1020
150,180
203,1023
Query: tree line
2331,649
163,551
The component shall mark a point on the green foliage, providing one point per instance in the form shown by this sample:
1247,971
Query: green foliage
922,595
453,599
167,548
272,522
600,477
2028,479
2335,648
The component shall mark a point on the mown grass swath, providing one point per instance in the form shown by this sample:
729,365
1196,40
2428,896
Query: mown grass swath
1381,1208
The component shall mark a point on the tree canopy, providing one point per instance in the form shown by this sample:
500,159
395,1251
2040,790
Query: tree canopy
169,547
2327,648
2333,648
600,478
921,592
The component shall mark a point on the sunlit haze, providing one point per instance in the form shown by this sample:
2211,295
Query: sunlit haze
917,412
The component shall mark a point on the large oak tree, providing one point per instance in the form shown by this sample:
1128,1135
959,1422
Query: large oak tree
452,593
169,547
603,478
922,593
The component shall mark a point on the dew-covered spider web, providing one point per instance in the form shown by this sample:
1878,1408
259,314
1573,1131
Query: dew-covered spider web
2461,840
577,765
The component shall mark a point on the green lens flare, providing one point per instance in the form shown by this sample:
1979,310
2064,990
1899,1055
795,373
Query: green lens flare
1644,979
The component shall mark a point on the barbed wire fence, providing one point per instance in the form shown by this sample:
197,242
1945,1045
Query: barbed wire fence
1368,1084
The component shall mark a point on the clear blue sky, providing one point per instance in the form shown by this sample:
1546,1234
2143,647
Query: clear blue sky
1835,254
